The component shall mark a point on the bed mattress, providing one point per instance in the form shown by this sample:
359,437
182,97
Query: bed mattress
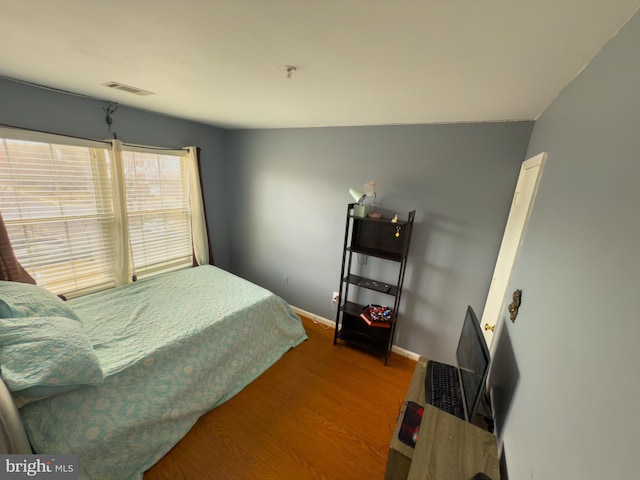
171,348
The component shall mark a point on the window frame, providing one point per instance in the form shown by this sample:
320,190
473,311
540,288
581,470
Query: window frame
169,262
108,173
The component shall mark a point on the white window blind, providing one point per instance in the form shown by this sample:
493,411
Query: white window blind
158,210
56,201
85,215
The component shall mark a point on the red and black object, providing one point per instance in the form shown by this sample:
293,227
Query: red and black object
411,424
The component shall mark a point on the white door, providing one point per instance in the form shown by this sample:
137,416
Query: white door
512,239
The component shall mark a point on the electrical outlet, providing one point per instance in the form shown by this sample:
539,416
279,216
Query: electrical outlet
335,297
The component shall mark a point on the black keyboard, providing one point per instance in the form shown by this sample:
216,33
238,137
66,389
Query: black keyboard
442,389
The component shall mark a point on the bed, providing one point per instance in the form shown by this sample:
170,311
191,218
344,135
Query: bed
127,372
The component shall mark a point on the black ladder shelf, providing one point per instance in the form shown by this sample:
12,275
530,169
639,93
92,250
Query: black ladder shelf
380,238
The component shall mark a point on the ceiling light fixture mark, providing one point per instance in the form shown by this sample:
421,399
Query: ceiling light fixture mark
289,69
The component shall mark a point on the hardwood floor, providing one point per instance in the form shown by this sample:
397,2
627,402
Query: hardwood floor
321,412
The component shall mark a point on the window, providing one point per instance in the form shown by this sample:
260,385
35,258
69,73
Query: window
56,202
158,214
85,215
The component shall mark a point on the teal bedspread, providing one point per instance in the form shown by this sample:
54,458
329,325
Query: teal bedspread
172,348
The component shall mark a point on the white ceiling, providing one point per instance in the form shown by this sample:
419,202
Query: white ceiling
359,62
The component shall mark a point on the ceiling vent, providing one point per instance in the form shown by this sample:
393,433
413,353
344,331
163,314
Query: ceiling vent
128,89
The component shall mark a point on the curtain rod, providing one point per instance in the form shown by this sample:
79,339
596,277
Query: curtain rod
106,142
54,133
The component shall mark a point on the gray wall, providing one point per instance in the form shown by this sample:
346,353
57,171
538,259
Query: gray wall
575,410
289,199
34,108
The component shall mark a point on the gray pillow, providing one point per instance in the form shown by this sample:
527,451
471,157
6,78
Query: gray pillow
43,356
25,300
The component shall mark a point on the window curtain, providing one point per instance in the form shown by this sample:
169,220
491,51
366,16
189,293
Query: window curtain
198,217
120,231
10,268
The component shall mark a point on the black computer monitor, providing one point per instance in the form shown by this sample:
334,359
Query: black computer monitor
473,362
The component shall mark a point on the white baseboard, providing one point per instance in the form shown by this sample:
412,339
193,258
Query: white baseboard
314,317
325,321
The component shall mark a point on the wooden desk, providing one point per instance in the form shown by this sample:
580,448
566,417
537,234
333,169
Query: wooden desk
447,448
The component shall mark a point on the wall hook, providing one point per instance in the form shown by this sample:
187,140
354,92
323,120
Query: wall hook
110,110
